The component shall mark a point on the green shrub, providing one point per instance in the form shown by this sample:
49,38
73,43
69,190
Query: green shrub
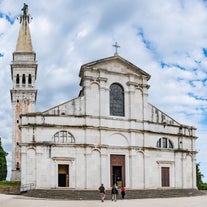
203,186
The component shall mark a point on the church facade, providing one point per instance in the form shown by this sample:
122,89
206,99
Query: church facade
109,134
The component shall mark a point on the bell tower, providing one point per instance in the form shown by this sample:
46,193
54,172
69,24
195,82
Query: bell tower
23,92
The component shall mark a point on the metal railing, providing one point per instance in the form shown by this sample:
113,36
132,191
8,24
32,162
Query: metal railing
27,187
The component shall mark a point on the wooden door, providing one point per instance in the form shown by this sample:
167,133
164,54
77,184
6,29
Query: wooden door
165,174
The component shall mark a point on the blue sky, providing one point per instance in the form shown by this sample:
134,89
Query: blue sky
166,38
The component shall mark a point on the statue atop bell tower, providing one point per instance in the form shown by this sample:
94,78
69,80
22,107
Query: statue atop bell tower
25,9
23,92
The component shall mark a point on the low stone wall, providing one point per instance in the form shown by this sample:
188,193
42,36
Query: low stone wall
9,190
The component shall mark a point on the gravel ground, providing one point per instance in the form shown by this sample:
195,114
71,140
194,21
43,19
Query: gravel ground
21,201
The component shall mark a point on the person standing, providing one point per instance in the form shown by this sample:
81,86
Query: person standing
102,192
123,191
114,193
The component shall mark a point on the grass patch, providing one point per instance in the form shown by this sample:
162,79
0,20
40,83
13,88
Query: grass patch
9,183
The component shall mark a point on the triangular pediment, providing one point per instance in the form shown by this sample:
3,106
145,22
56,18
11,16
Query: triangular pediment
115,64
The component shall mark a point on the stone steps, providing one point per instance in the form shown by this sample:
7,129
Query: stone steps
94,195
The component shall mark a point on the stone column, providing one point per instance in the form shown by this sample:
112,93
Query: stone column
105,167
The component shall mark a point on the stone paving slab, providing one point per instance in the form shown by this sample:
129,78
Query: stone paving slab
13,200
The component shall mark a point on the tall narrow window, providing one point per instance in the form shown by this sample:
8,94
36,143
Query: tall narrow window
30,79
116,100
23,79
17,79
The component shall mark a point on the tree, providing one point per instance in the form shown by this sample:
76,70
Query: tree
199,176
200,184
3,163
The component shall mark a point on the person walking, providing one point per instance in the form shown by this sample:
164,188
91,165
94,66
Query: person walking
123,192
102,192
114,193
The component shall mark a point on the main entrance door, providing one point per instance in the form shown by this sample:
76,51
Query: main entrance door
63,175
117,170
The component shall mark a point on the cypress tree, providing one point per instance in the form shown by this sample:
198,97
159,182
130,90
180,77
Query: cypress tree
199,176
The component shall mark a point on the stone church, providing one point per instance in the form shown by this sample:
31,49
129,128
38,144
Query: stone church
108,134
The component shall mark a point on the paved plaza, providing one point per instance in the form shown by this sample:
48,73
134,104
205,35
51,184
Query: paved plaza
21,201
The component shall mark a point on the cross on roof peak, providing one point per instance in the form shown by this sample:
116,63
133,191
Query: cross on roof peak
116,48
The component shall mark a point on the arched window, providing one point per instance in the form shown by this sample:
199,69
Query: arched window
17,166
23,79
30,79
17,79
164,143
116,100
63,137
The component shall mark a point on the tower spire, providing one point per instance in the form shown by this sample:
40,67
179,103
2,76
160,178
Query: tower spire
24,42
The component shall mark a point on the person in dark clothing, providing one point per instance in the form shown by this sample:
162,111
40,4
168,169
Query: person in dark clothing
102,192
114,193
